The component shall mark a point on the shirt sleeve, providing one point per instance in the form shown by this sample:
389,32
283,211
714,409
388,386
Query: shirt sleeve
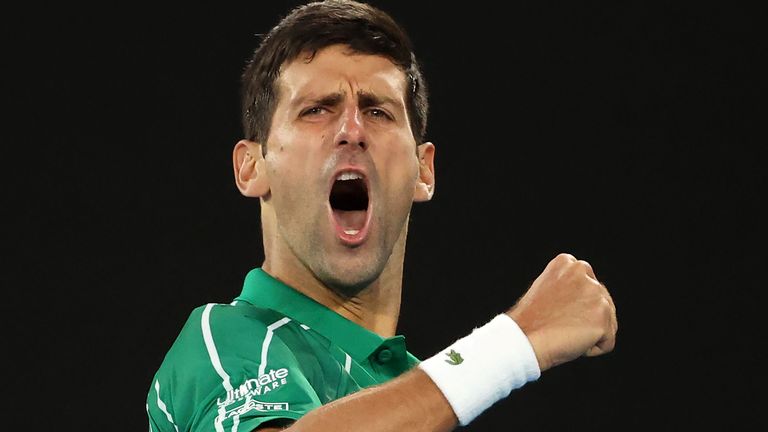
229,370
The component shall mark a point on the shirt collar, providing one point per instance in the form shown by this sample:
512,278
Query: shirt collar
262,290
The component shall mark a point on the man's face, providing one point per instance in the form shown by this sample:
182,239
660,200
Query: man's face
342,165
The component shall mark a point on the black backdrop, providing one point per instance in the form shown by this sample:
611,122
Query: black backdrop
626,134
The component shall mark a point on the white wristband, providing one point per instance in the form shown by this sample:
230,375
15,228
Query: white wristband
479,369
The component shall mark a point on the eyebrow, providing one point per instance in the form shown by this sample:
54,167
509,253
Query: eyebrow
369,99
332,99
366,99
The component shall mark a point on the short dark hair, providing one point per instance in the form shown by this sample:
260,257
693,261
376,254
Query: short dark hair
313,26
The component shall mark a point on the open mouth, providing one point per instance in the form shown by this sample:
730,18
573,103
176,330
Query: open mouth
349,206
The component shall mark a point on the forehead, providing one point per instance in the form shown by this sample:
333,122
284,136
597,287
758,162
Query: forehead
336,68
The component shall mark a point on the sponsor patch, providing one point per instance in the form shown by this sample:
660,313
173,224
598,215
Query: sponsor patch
259,386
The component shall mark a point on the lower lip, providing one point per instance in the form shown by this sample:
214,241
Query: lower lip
352,240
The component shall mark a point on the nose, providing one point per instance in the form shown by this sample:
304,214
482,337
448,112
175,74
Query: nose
351,129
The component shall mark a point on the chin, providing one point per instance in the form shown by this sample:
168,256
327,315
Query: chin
349,279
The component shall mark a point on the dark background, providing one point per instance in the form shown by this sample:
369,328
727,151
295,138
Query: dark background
626,134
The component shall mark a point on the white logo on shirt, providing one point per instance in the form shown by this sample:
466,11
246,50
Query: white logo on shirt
250,405
257,387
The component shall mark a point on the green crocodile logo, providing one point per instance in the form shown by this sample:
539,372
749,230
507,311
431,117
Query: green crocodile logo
454,358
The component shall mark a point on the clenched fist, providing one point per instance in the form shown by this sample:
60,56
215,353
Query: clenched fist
566,313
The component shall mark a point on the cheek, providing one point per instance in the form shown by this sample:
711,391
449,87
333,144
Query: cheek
286,152
287,180
400,167
401,156
295,163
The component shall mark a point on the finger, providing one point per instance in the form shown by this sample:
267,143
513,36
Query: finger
607,341
588,267
603,346
611,323
614,319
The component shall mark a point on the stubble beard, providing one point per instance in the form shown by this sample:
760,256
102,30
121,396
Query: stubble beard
349,277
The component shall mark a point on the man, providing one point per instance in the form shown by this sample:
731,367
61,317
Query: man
334,113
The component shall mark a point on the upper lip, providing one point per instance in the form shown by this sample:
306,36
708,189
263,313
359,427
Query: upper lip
351,169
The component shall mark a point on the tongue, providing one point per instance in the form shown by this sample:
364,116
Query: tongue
350,219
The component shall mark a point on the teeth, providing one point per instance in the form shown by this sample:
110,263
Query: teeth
351,232
348,176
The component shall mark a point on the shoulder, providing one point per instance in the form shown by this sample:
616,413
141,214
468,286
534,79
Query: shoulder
220,348
229,334
215,341
222,328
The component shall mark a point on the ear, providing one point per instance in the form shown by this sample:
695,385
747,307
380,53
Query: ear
250,169
425,185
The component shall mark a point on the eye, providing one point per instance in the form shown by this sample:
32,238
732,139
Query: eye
378,113
316,110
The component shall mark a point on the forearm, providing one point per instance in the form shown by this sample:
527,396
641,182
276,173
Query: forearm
412,402
566,313
433,396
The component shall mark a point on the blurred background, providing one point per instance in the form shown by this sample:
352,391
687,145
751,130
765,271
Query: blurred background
627,134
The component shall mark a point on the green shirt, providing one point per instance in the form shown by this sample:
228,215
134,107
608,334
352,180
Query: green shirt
273,353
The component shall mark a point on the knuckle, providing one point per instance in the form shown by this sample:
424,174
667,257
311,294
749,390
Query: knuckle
599,288
565,258
585,264
588,286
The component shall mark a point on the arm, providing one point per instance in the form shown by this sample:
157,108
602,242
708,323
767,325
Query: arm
411,402
566,313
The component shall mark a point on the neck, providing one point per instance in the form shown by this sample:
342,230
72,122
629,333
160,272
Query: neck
376,307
